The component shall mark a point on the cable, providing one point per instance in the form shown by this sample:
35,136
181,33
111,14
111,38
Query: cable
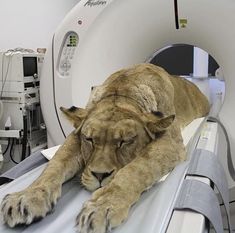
8,145
11,155
233,201
6,74
176,14
24,140
20,50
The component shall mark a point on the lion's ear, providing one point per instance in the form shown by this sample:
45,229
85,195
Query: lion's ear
74,115
158,123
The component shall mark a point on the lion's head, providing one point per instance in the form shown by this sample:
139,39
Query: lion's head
111,137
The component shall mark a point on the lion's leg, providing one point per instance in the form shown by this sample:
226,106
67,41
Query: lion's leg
110,205
39,198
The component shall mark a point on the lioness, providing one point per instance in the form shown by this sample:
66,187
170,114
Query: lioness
125,140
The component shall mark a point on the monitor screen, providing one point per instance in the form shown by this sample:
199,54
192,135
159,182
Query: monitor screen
30,66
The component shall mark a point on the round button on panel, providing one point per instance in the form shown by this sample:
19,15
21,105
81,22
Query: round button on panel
68,64
65,65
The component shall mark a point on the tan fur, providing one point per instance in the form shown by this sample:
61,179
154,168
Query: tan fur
126,139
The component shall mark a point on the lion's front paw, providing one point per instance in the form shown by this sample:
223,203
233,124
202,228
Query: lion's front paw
26,206
103,212
92,219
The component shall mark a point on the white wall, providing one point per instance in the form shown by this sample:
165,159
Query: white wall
30,23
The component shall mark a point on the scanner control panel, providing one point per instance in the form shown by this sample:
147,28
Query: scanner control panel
67,53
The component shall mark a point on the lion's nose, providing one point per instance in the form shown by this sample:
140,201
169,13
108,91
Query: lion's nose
101,175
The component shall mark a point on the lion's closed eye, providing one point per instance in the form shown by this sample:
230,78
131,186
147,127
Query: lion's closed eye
125,142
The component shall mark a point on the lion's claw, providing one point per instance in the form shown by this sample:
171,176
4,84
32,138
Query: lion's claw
93,220
25,207
103,212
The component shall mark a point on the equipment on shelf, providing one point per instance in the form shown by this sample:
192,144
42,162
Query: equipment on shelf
21,122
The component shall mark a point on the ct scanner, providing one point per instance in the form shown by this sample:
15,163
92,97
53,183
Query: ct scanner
99,37
114,34
110,35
